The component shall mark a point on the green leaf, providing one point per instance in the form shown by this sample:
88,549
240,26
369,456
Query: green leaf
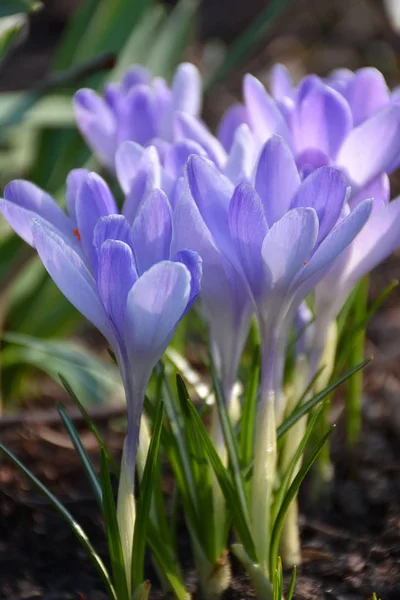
74,33
292,584
66,515
93,379
113,533
290,495
166,562
305,408
231,444
13,7
252,35
173,38
91,426
240,516
201,471
86,462
10,30
249,410
144,502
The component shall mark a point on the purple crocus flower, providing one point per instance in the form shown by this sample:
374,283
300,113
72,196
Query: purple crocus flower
280,235
139,109
122,277
349,121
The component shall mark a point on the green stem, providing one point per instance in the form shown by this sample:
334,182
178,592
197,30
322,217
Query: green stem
355,383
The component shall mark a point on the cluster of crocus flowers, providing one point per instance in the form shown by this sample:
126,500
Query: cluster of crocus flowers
289,200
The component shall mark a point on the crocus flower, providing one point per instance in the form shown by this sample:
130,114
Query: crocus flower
139,109
121,277
349,121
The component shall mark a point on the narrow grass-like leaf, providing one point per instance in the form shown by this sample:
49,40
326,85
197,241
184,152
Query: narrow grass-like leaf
240,517
247,420
13,7
290,495
91,426
305,408
166,562
172,39
113,534
287,476
200,468
86,462
144,502
292,584
230,441
252,35
66,515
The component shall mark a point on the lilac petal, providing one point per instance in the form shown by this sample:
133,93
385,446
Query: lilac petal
135,75
94,201
366,94
339,79
154,307
146,178
97,124
186,90
70,275
248,228
311,159
241,157
152,231
74,180
264,116
141,115
212,193
115,278
194,264
23,201
378,189
187,126
336,242
112,227
127,161
177,155
325,191
277,178
287,246
323,121
373,147
234,117
281,83
377,240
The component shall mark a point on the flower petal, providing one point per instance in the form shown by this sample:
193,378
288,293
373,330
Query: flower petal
152,231
287,246
112,227
141,117
281,83
377,240
177,155
277,178
373,147
147,177
241,156
74,181
186,90
115,278
194,264
378,189
71,276
366,94
97,124
187,126
324,190
264,115
212,193
154,307
127,161
94,201
234,117
336,242
23,201
248,228
323,120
